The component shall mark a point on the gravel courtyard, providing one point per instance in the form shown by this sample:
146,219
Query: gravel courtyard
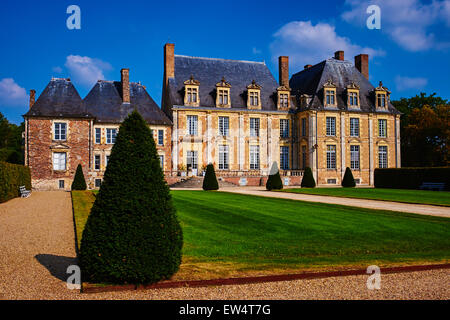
37,245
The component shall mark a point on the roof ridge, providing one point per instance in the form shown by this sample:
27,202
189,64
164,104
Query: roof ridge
220,59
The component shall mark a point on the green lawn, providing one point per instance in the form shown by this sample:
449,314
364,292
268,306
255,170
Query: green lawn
441,198
228,234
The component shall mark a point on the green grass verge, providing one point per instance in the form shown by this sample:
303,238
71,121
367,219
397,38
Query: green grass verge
233,231
441,198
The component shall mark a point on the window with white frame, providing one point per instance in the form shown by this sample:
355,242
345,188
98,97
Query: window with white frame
303,127
192,122
60,131
331,157
354,127
284,100
223,157
284,128
381,100
330,97
224,126
284,158
59,161
161,137
331,126
111,136
161,161
382,157
382,124
223,96
254,127
97,161
254,157
353,99
354,157
191,160
192,95
98,135
254,98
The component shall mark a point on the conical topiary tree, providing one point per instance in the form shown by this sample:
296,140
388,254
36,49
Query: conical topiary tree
308,179
78,181
274,182
210,180
132,234
348,181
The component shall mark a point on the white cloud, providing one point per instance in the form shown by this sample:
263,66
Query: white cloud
11,94
57,69
85,70
407,22
256,51
306,43
406,83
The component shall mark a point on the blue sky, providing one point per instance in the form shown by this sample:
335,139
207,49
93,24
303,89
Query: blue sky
410,53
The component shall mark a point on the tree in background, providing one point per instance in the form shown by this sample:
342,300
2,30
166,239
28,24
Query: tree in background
11,142
79,183
348,181
210,180
425,131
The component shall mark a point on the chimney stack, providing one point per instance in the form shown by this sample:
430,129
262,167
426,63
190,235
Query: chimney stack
362,64
169,62
339,55
307,66
283,70
32,97
125,80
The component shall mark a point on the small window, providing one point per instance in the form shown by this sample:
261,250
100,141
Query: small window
61,184
358,181
303,127
382,124
161,137
98,183
354,127
192,94
111,136
354,157
59,161
381,100
382,157
303,157
353,99
254,127
223,157
330,97
98,135
224,125
254,157
97,162
60,131
284,158
331,157
284,128
284,100
191,160
223,97
161,162
331,181
192,122
254,98
331,126
106,160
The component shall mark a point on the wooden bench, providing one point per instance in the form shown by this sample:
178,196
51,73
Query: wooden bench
439,186
24,193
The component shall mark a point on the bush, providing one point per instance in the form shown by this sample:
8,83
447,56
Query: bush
210,180
274,182
132,234
78,182
410,178
12,176
348,181
308,179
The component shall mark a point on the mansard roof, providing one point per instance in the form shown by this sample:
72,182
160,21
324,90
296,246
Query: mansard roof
59,99
342,73
104,101
210,71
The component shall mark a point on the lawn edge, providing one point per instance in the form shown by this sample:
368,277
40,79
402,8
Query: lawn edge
90,288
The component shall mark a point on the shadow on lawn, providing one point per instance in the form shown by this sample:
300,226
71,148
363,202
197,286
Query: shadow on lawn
57,265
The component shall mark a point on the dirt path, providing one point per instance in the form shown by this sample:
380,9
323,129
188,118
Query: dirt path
37,246
362,203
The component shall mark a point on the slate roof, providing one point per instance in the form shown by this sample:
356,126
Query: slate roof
59,99
342,73
104,101
209,71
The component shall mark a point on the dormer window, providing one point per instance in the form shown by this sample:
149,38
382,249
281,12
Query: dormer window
381,96
283,97
254,98
353,95
330,94
223,94
191,97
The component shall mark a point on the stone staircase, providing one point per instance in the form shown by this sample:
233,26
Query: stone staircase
197,182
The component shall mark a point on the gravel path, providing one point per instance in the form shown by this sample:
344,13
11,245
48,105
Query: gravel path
362,203
37,245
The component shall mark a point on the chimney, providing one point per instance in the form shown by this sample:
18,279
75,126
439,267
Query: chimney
307,66
339,55
169,62
362,64
32,97
283,70
125,80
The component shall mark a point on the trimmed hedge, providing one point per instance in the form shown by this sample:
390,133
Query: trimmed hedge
348,181
79,183
274,181
12,176
210,180
308,179
411,178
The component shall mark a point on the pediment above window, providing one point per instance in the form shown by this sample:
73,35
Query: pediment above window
223,83
59,146
192,81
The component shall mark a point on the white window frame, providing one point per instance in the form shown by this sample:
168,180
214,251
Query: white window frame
382,128
330,96
254,127
59,161
331,126
111,134
98,135
192,158
284,100
284,128
60,131
160,137
161,161
331,156
353,99
224,157
355,157
99,158
223,96
192,122
354,127
254,157
192,94
254,98
382,156
284,158
224,126
381,100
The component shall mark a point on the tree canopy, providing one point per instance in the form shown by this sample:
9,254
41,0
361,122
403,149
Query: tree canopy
11,146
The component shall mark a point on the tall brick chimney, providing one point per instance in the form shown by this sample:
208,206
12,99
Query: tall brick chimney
32,97
283,70
169,62
339,55
125,79
362,64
